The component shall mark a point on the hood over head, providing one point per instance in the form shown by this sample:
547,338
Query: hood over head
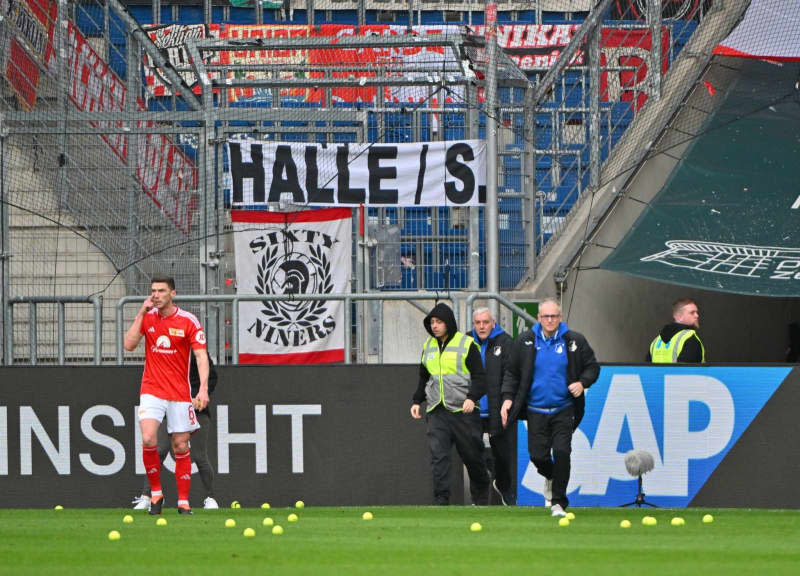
444,313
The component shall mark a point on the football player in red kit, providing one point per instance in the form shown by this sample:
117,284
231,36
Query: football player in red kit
170,335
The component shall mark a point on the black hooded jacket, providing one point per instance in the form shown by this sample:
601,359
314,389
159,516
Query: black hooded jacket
692,352
477,387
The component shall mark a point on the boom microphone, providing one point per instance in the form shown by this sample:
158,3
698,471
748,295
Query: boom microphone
638,462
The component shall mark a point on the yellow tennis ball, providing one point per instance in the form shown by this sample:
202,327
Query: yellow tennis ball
113,535
235,504
625,524
563,521
299,504
476,527
127,519
58,507
277,529
265,506
649,521
161,522
230,523
708,519
570,516
267,521
292,518
367,516
248,533
678,521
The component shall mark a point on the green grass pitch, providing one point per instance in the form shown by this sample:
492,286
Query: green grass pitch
401,540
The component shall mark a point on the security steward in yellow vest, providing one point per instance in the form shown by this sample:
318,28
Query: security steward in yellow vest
451,382
678,341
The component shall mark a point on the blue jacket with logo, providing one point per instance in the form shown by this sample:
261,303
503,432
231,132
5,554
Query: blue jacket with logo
581,366
495,352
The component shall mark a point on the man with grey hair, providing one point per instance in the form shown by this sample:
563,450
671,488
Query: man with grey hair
549,370
495,345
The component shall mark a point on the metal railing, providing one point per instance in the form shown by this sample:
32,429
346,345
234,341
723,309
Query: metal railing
59,302
348,299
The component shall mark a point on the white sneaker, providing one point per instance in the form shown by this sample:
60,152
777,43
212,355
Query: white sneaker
141,502
210,504
557,510
547,492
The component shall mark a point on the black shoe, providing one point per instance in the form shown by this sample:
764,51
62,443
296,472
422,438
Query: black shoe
155,506
499,492
182,510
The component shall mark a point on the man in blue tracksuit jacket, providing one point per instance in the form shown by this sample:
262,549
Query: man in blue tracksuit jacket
550,368
495,345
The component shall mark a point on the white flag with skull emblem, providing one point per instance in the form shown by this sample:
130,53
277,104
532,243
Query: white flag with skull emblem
292,253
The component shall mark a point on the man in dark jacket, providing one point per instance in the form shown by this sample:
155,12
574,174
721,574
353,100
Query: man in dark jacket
550,368
495,346
678,341
451,382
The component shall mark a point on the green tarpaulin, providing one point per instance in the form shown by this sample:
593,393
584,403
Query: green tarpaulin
729,217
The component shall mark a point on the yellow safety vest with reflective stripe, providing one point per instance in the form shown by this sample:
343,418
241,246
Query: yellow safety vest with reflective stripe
667,353
449,380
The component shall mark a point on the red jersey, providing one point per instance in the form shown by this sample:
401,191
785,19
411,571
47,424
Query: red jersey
168,343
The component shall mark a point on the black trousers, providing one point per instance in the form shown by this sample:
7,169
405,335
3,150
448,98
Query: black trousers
446,428
504,448
550,447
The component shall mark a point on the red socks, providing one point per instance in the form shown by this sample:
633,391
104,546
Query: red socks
183,477
152,467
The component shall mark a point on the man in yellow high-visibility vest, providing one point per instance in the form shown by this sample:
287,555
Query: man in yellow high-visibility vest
451,382
678,341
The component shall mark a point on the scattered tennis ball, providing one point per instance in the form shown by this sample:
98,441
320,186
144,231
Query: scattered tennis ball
678,521
277,530
127,519
230,523
708,519
299,504
113,535
265,506
649,521
58,507
248,533
235,504
625,524
161,522
476,527
267,521
367,516
570,516
292,517
563,521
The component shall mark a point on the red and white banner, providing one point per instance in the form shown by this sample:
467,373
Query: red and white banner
31,23
288,254
533,47
770,30
166,174
171,40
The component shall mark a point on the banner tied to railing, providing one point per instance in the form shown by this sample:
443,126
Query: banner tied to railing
414,174
286,254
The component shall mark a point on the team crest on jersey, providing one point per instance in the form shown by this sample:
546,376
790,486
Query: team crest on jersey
176,332
498,350
163,342
200,337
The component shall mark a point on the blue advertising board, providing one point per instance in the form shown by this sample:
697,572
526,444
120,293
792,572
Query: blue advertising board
688,418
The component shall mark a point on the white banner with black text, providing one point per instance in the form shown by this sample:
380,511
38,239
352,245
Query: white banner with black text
292,253
451,173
